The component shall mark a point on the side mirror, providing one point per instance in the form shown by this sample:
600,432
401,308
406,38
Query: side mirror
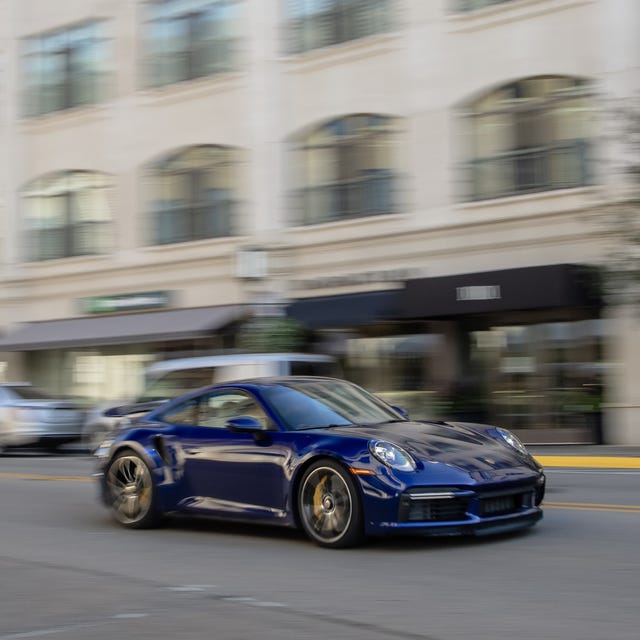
244,423
403,412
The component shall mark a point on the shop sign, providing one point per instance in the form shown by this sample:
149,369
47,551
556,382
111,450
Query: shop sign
126,302
479,292
354,279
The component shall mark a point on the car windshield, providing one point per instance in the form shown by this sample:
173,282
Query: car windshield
310,404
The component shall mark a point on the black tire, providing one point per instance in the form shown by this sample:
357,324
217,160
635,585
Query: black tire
130,492
329,506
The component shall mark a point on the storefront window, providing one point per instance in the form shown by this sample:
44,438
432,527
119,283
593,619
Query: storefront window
402,369
542,376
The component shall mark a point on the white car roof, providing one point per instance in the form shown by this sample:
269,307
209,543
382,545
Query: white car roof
198,362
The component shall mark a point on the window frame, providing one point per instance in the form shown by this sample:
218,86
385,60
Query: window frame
71,227
196,57
204,398
531,163
188,222
37,55
359,189
344,15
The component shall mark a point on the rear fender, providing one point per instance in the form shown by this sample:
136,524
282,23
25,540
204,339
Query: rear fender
166,478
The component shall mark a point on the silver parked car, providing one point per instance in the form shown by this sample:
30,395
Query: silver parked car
30,417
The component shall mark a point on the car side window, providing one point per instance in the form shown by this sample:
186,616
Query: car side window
219,407
214,409
186,413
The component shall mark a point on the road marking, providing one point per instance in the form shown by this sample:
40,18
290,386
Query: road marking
191,587
588,506
591,472
40,476
593,462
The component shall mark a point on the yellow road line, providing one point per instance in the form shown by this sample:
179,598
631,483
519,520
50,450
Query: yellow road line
39,476
586,506
593,462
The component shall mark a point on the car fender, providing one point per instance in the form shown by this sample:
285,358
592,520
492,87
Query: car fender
347,459
151,457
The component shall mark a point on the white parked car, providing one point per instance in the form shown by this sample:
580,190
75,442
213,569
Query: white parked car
170,378
30,418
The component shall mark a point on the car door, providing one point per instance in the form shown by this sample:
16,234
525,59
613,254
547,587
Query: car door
231,473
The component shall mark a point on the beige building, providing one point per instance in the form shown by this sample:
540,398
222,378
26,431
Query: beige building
416,178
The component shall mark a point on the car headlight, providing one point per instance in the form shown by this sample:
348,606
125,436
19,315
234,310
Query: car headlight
512,440
392,455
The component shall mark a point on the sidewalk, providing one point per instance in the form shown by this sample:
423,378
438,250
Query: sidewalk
587,456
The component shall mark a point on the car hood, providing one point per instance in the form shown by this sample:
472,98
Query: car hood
456,445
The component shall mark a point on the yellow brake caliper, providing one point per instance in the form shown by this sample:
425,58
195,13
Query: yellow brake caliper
317,498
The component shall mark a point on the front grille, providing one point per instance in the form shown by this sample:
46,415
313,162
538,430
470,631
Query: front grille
438,510
453,504
502,504
441,505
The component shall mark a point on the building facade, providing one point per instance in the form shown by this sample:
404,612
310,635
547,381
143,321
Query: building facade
414,182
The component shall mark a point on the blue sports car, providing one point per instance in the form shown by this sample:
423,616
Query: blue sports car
317,453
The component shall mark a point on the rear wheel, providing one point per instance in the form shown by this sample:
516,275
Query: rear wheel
130,492
329,506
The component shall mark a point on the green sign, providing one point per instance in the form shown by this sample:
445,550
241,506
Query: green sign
126,302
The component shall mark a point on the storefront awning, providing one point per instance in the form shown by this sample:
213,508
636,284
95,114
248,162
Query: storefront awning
174,324
526,288
347,310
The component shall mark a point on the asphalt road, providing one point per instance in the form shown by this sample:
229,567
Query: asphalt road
68,573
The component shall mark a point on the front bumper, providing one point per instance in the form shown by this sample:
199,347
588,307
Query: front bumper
455,510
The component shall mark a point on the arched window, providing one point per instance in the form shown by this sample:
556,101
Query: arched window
320,23
68,214
530,135
347,168
194,194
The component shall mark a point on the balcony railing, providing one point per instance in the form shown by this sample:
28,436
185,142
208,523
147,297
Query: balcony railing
199,222
67,241
559,166
368,195
340,22
462,6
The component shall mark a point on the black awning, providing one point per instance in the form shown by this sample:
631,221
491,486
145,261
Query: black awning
526,288
173,324
344,311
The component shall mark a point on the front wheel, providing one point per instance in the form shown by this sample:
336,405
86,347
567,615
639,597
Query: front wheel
329,506
130,492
